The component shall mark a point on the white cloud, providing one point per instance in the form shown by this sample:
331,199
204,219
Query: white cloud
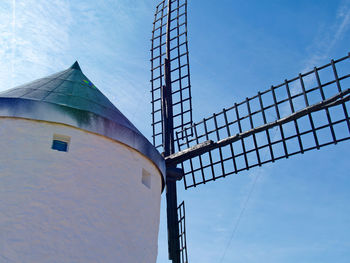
35,34
330,36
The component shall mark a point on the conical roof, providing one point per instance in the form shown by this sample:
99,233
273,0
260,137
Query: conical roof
69,97
70,88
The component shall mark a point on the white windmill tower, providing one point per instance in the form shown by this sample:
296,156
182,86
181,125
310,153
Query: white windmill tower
79,183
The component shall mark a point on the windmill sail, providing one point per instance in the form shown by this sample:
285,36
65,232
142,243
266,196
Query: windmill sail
182,234
301,114
175,49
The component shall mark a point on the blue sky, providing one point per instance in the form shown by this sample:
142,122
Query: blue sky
295,210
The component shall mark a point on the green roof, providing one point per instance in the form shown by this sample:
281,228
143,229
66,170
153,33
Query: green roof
69,88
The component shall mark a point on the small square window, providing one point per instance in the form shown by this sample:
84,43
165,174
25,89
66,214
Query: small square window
146,178
60,143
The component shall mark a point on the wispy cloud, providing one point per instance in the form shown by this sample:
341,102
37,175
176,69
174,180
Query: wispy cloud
330,36
6,41
36,33
109,38
343,17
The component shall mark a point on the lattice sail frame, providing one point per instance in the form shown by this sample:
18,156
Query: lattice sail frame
301,114
179,64
182,234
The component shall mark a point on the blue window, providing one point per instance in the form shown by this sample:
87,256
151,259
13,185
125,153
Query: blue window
59,146
60,143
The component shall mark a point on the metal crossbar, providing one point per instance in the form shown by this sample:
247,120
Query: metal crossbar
182,234
179,67
301,114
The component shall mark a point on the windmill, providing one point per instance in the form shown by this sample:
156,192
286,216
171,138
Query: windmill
60,114
287,119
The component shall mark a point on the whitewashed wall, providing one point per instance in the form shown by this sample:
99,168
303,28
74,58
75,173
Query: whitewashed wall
84,205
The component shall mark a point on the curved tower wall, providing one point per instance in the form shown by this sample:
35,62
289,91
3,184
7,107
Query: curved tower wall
97,202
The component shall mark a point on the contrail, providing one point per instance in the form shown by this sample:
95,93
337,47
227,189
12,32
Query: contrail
13,41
